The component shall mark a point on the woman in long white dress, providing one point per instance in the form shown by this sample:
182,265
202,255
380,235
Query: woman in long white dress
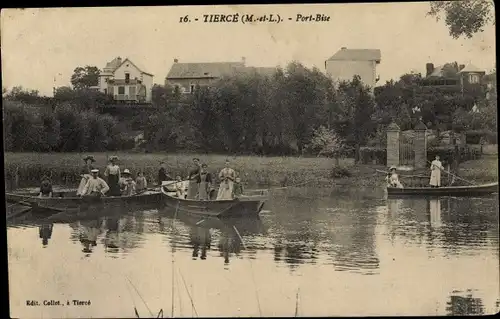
436,167
393,178
226,176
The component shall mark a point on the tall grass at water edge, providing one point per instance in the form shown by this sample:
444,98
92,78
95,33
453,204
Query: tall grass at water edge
64,168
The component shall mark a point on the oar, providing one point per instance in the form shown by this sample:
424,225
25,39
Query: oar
423,176
442,169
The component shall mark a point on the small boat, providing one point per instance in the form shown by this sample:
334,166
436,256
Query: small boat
243,206
68,200
473,190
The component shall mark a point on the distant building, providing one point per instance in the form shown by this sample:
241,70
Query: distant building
347,63
466,78
125,81
186,76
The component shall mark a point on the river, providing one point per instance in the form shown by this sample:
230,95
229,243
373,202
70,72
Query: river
312,253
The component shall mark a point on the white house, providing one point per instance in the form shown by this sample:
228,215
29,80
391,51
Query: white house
347,63
125,81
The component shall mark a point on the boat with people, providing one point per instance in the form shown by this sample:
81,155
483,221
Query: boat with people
249,204
69,200
469,190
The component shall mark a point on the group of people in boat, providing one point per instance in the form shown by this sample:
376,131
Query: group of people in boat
121,183
201,184
436,167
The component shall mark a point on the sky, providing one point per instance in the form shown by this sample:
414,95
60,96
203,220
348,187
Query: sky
42,47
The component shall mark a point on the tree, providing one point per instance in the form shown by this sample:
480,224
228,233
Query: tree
85,77
463,17
326,142
357,109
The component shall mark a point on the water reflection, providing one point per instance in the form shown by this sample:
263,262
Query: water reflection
453,223
464,304
45,233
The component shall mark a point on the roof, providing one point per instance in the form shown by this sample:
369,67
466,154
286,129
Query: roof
420,127
115,64
357,55
471,68
203,70
393,127
264,71
446,70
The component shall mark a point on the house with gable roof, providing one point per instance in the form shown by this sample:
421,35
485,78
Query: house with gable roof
465,78
186,76
347,63
125,81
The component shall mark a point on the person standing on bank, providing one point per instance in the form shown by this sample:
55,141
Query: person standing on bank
204,183
226,176
112,174
95,186
85,173
162,174
436,168
193,177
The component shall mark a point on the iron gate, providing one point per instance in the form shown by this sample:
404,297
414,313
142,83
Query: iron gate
407,153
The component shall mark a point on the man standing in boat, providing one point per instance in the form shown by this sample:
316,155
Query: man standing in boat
193,177
85,173
95,186
436,168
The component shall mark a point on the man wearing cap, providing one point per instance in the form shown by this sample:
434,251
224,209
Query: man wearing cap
95,186
127,185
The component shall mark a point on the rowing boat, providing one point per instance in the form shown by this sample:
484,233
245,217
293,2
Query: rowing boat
474,190
246,205
68,200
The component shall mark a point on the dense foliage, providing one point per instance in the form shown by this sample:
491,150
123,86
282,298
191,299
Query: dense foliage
464,17
296,111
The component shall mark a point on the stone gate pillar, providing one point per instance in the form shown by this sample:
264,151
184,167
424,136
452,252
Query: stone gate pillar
420,145
393,132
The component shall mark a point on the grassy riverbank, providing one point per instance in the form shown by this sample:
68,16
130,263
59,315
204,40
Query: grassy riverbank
277,171
269,171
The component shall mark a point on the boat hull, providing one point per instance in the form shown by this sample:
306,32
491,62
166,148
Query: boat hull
462,191
245,206
68,201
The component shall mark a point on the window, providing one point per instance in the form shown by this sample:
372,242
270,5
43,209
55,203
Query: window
127,77
121,90
105,91
192,88
474,78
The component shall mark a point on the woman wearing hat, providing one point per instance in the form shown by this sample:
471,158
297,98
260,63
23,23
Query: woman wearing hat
393,178
85,173
127,186
112,174
227,176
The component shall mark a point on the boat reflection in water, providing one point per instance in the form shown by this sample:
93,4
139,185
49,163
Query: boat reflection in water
202,228
45,233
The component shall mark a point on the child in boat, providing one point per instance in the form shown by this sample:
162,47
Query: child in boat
393,178
179,188
140,182
238,187
45,187
128,184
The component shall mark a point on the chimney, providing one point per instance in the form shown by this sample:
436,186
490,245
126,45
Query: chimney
119,59
429,67
243,60
460,67
343,48
176,60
